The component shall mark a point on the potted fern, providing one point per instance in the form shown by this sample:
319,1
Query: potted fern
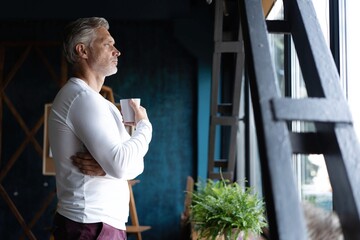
224,210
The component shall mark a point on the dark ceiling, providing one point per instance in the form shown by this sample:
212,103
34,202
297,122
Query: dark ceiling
115,9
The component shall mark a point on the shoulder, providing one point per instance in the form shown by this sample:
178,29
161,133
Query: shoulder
89,100
75,95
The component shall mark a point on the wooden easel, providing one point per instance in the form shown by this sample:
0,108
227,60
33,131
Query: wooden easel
186,227
135,227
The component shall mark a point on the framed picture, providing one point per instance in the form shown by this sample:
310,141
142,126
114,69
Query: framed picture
48,162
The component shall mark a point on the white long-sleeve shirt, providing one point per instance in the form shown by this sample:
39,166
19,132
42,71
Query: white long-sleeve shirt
80,119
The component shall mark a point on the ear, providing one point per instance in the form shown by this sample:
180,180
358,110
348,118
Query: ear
81,50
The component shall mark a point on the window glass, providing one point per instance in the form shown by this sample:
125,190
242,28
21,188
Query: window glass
350,56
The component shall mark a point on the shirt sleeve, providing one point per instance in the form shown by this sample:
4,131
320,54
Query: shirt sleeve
105,137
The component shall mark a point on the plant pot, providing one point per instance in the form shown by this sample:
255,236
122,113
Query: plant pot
195,236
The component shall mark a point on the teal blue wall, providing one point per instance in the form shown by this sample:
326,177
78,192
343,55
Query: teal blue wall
157,68
196,34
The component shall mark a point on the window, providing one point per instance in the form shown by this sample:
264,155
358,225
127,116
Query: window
310,170
350,55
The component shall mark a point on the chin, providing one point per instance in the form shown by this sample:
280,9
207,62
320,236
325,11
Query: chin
112,72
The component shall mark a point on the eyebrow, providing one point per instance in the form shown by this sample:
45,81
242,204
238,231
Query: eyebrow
109,39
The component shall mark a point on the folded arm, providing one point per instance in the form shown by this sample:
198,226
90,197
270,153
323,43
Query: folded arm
87,164
105,137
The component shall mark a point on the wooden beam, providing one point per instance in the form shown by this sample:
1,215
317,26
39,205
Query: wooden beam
16,213
267,6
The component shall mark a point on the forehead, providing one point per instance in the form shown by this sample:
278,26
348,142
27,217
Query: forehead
102,34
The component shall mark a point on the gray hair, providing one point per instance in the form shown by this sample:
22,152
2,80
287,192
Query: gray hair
80,31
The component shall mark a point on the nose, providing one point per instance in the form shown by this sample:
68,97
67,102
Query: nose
117,52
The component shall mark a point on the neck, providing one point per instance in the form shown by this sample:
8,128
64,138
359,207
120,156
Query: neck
95,82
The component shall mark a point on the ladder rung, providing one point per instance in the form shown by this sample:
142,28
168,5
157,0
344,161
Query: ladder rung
278,26
225,175
228,47
227,121
225,108
311,109
311,143
221,163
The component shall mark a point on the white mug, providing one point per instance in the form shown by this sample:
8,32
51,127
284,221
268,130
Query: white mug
127,111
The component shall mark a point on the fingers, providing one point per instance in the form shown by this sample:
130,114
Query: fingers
131,124
84,160
87,164
134,104
140,112
137,107
84,155
90,170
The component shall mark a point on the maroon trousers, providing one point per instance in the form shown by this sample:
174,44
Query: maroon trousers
66,229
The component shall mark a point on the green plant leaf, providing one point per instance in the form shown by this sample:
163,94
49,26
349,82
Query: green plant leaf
219,207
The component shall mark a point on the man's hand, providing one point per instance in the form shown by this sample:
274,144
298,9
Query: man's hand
87,164
140,111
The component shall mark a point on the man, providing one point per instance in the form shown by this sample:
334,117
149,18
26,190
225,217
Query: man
93,196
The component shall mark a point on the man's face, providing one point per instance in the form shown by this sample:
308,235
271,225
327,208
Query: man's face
103,56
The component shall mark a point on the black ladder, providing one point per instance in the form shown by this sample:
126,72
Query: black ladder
228,58
325,106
